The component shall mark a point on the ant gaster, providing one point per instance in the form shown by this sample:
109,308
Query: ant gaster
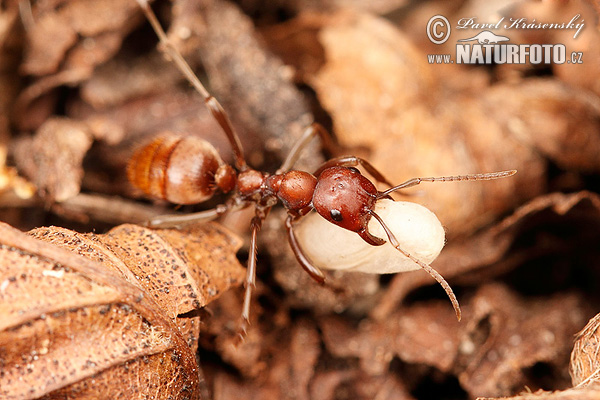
188,170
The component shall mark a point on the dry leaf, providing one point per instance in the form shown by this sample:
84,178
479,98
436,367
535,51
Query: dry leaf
585,358
587,393
531,112
500,338
52,158
251,83
506,337
360,337
86,314
64,44
582,42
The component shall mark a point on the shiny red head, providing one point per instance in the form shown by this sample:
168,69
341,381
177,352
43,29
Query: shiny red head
345,198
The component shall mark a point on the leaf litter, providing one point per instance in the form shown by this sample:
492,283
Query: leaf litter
112,313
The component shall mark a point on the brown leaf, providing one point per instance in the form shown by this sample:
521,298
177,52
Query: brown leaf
125,78
221,334
81,315
57,27
584,41
500,338
64,44
531,111
53,157
250,80
585,358
586,393
505,336
418,335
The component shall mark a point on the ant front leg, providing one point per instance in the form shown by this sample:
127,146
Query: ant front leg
250,284
353,161
212,104
426,267
303,260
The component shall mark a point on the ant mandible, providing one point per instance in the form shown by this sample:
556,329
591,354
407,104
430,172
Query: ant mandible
188,170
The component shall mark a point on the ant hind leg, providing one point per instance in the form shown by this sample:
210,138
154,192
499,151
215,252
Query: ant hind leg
212,104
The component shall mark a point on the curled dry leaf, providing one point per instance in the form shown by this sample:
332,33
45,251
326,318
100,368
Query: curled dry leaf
530,111
57,28
507,336
112,314
418,335
502,336
582,39
587,393
124,78
286,362
585,358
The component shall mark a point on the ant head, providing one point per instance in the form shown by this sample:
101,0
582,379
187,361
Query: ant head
346,198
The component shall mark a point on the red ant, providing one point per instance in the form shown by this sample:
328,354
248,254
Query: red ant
188,170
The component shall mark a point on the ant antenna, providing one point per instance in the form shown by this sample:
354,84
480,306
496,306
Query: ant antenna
473,177
428,268
212,104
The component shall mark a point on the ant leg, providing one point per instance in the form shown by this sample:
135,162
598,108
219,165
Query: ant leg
473,177
313,271
353,161
212,104
309,133
178,221
434,274
250,284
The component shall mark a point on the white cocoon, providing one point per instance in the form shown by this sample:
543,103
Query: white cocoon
417,229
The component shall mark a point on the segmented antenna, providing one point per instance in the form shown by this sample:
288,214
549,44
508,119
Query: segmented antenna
473,177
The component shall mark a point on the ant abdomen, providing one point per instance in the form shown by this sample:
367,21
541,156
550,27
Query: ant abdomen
182,170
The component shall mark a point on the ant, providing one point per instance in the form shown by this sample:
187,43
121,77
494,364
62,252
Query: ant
188,170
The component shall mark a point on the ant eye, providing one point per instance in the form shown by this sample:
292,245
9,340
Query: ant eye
336,215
